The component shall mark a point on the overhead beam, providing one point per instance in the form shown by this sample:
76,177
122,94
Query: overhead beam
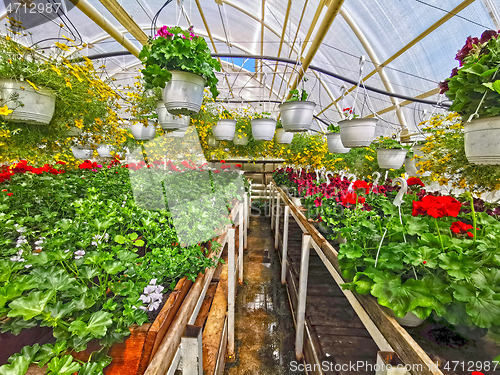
106,25
124,18
331,12
406,102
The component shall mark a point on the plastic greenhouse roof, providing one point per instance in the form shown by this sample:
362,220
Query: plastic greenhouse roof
414,40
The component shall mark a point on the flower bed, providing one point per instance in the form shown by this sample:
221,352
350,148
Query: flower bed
82,258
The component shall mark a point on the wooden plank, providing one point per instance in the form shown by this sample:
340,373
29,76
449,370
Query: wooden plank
205,306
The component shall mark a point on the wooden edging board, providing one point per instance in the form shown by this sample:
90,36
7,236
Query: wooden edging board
402,343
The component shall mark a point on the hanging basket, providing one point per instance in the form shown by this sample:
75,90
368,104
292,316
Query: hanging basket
283,137
176,133
482,141
358,132
38,108
183,94
410,167
169,121
335,145
212,142
297,116
104,151
143,133
82,153
391,158
240,141
263,129
224,130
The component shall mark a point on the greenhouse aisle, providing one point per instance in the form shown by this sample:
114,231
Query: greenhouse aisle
264,329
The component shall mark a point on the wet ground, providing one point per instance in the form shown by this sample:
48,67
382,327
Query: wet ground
264,328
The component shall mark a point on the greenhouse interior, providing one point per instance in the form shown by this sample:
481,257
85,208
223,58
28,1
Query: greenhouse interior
339,164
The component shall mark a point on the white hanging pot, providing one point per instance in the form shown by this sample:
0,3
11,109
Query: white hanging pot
177,133
263,129
390,158
38,106
283,137
224,130
296,201
104,151
143,133
358,132
410,167
81,153
409,320
169,121
335,145
482,140
240,140
212,142
297,116
183,94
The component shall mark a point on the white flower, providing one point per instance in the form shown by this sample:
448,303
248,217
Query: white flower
153,282
154,305
66,251
144,298
21,229
79,254
38,248
17,258
28,266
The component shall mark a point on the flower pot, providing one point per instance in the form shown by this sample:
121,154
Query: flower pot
240,141
297,116
143,133
183,94
224,130
81,153
212,142
38,106
283,137
104,151
409,320
335,145
358,132
169,121
482,140
296,201
410,167
390,158
263,129
177,133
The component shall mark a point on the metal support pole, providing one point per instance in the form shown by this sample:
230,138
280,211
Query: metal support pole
192,351
241,232
277,225
285,245
271,204
231,291
247,219
301,309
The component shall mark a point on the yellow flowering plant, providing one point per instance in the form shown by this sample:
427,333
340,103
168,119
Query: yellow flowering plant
446,161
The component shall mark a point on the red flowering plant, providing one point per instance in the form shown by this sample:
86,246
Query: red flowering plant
435,259
474,87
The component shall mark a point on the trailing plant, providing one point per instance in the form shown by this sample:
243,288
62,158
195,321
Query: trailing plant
297,95
176,49
388,143
332,128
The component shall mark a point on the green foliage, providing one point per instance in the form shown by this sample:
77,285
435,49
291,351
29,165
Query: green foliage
388,143
298,95
178,50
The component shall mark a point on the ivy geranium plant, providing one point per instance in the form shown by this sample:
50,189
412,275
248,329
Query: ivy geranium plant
176,49
475,85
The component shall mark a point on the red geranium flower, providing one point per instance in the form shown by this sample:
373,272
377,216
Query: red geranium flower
415,181
461,228
352,198
10,194
436,206
360,184
238,165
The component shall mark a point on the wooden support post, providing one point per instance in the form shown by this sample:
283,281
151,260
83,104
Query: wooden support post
285,245
241,232
246,218
231,291
192,351
301,308
277,225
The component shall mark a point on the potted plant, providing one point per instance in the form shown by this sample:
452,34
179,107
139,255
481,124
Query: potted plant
169,121
212,142
263,127
80,152
104,151
225,128
297,113
282,136
475,91
179,62
143,130
390,153
356,131
241,136
334,142
410,167
295,196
